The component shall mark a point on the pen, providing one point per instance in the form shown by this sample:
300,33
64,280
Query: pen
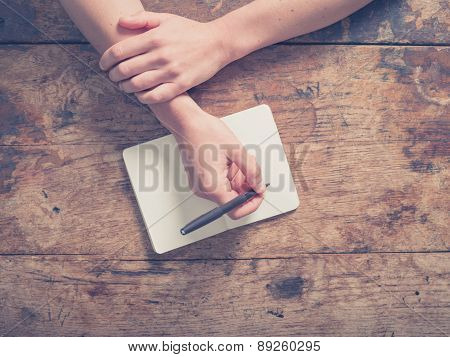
217,212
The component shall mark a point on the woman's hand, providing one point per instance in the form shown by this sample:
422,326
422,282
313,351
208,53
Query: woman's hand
218,166
174,55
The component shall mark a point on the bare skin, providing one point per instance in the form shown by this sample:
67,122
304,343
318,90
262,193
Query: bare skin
160,56
219,177
174,54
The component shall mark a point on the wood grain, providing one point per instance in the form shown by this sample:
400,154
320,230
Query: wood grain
383,21
317,94
372,197
366,130
357,295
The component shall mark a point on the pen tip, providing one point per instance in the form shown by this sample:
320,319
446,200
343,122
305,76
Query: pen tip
182,232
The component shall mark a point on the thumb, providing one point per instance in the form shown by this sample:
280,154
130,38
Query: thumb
143,19
250,168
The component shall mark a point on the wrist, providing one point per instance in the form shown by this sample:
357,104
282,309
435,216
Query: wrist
178,113
232,39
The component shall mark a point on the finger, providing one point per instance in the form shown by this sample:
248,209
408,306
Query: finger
247,208
134,66
250,168
143,19
220,197
160,94
225,193
233,171
224,196
125,49
238,186
238,182
142,82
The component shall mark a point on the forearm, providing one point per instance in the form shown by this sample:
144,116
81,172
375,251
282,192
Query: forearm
265,22
98,21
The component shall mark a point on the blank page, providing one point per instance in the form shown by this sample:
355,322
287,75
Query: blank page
160,182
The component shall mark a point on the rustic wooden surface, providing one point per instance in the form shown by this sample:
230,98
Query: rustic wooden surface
318,294
366,130
383,21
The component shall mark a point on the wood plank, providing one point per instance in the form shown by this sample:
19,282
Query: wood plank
355,197
356,295
383,21
317,93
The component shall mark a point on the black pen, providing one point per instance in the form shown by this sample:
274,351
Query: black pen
217,212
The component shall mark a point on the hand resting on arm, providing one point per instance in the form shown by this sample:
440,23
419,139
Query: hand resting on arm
175,54
219,177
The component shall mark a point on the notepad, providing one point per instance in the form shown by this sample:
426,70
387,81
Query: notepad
160,182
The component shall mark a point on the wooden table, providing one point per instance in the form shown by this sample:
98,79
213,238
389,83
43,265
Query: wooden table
363,112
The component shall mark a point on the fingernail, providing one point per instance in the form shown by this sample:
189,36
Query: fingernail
101,66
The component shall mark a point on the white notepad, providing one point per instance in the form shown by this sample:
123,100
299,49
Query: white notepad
160,182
